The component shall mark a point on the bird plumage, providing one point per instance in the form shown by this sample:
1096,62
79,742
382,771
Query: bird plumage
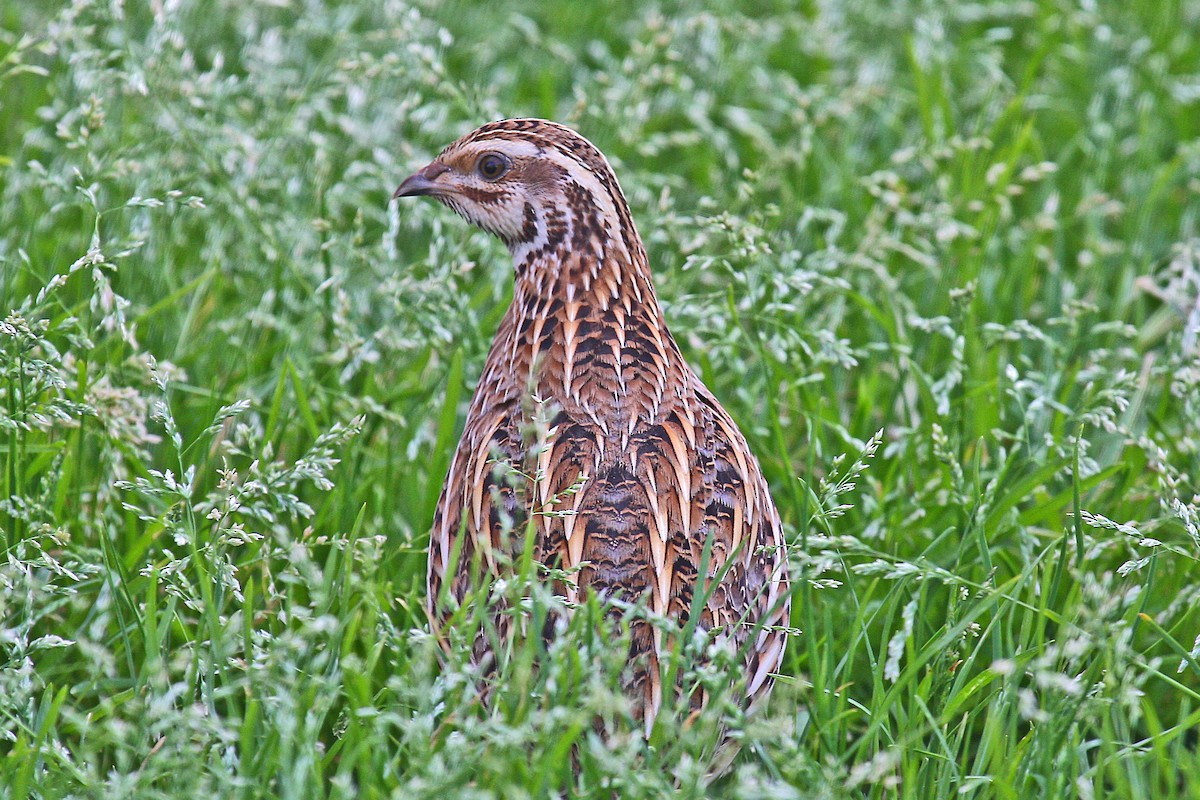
644,462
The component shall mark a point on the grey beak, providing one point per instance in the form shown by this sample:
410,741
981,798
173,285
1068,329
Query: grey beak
422,182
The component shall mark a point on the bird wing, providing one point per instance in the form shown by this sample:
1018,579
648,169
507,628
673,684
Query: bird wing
480,505
716,539
679,519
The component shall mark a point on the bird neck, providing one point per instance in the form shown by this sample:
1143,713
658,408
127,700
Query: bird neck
591,280
586,328
580,244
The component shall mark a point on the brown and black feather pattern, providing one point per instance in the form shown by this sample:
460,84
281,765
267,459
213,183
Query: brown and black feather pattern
664,468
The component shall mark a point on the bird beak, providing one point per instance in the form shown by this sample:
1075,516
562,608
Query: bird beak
422,182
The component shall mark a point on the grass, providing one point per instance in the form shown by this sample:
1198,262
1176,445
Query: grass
232,375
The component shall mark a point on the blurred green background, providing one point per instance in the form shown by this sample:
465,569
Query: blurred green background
232,375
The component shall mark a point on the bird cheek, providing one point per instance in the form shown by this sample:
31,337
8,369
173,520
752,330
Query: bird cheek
504,221
490,221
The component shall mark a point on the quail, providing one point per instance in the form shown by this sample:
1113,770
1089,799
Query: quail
650,476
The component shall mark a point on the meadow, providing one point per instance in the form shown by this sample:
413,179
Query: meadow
941,262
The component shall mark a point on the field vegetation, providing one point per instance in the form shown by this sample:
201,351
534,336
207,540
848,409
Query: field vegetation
940,260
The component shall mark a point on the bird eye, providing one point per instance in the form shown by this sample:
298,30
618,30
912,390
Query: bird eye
492,166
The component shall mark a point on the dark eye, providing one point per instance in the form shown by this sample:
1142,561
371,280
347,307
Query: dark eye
492,166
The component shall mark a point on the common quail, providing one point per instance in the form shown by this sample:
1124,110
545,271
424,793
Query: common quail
641,460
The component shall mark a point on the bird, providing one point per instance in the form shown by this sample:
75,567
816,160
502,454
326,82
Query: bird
660,501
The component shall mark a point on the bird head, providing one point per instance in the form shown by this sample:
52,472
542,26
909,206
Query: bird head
535,184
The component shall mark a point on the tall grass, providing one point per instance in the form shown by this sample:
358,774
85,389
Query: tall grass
232,375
